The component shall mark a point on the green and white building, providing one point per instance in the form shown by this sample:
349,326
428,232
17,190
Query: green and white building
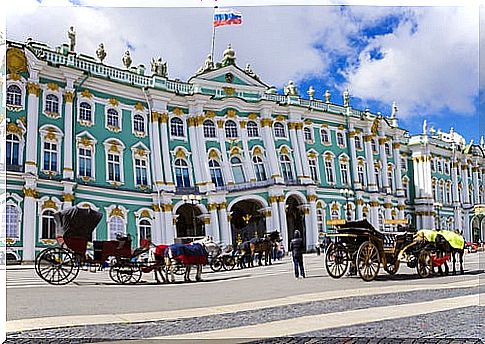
222,154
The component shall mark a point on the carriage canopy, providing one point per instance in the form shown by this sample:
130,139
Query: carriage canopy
77,222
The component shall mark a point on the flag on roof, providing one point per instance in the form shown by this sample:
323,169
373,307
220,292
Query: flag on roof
226,16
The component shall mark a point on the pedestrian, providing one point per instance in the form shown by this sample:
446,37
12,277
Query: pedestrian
296,249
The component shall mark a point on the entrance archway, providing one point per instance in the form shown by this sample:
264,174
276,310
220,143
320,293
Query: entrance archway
188,224
295,219
478,228
247,222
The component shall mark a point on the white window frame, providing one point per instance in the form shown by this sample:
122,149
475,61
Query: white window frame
93,154
217,168
390,177
41,216
107,150
240,165
184,129
189,170
374,146
138,133
364,172
317,174
120,119
123,217
281,126
46,92
20,145
139,227
359,138
332,168
146,158
343,144
82,99
263,166
20,85
405,185
16,204
328,134
232,128
343,163
308,129
57,140
213,126
289,162
256,127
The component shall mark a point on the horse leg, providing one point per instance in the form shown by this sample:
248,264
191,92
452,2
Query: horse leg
453,255
187,273
198,276
460,254
260,258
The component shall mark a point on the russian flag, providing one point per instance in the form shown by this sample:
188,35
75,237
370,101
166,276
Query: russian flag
226,16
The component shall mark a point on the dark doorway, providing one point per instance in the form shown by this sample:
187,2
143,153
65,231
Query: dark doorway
294,219
188,225
246,221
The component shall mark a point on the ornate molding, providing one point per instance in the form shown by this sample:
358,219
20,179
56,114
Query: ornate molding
312,198
139,106
68,197
210,114
33,88
28,192
13,128
68,97
374,203
53,86
86,94
266,122
113,102
177,112
49,204
231,113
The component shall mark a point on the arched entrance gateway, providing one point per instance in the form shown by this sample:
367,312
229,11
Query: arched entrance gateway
478,228
188,225
295,219
247,220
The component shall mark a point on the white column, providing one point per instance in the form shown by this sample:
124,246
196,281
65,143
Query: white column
353,158
476,185
247,163
397,168
313,216
169,226
310,234
29,222
303,155
167,161
465,177
359,208
268,221
68,172
202,153
155,149
275,218
297,155
270,148
454,178
67,194
214,222
371,178
157,235
283,224
225,225
383,156
466,225
195,152
31,151
417,177
226,168
374,211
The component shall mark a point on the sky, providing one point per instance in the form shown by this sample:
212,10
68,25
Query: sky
424,58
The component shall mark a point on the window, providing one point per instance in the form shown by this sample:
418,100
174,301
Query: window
329,170
259,168
113,119
231,129
114,168
361,173
237,170
182,173
141,172
390,177
48,225
374,146
85,162
286,168
320,220
404,165
325,136
145,230
381,221
176,127
13,149
405,186
340,139
387,149
209,129
216,173
378,176
307,132
447,167
344,172
279,130
85,112
439,166
14,95
50,156
116,226
51,103
252,128
448,193
358,142
139,123
313,169
433,190
12,222
433,165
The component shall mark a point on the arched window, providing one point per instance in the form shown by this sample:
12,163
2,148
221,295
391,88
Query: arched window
439,166
344,172
51,103
176,127
447,167
50,156
13,149
182,173
237,170
279,130
335,213
340,139
313,169
286,168
141,172
252,128
377,173
325,136
12,222
216,172
358,142
374,146
405,186
85,112
113,119
390,177
433,165
116,226
231,129
307,132
139,123
48,225
209,128
387,149
361,172
320,219
14,95
259,168
329,173
145,228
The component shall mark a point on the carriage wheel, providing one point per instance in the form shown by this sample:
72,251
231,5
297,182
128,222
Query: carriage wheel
391,269
216,264
424,265
124,273
368,261
229,263
336,260
57,266
137,272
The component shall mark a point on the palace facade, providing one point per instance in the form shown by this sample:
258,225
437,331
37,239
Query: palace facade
222,154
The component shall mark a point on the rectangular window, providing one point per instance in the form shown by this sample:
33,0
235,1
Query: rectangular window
344,171
313,169
85,161
50,156
360,174
114,174
141,172
329,171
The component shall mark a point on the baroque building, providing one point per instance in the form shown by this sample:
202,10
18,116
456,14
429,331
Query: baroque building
222,154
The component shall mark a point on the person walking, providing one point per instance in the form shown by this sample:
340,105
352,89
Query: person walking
296,249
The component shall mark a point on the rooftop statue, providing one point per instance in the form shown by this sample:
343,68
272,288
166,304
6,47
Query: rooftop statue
311,92
290,89
159,68
346,96
425,127
127,59
394,110
100,53
208,65
229,57
327,96
71,34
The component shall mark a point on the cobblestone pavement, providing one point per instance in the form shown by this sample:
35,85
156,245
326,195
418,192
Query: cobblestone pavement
437,325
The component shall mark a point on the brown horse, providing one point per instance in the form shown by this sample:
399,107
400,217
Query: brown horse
263,246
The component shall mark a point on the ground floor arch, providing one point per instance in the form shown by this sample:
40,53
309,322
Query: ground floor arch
295,218
188,222
247,220
477,225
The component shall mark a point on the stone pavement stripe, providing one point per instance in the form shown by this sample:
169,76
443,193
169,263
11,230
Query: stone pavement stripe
81,320
282,328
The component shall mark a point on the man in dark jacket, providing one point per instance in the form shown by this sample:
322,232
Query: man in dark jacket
296,249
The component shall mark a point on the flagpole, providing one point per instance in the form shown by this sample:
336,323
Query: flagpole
213,35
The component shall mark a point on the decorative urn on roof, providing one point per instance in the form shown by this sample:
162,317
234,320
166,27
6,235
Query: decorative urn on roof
127,59
101,53
229,57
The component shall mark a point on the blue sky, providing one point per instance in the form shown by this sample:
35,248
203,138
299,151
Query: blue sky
424,58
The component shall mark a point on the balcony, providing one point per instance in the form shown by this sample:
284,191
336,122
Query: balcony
15,168
191,190
246,186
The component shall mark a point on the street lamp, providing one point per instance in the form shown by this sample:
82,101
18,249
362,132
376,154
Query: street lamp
347,193
438,206
193,200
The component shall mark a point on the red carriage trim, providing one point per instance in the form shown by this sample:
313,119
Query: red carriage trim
438,261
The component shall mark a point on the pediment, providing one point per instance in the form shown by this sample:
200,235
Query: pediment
229,76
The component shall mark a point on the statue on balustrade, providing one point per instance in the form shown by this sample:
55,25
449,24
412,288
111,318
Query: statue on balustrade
101,53
71,34
290,89
159,68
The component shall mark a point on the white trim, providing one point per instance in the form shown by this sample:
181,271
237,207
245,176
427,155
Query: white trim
93,153
23,92
108,107
257,198
47,91
146,123
285,129
184,127
81,99
124,218
107,146
145,158
57,141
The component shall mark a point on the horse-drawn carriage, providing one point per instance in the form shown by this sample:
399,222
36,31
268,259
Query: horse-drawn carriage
359,245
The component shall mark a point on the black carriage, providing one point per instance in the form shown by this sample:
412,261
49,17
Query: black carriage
61,264
359,245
